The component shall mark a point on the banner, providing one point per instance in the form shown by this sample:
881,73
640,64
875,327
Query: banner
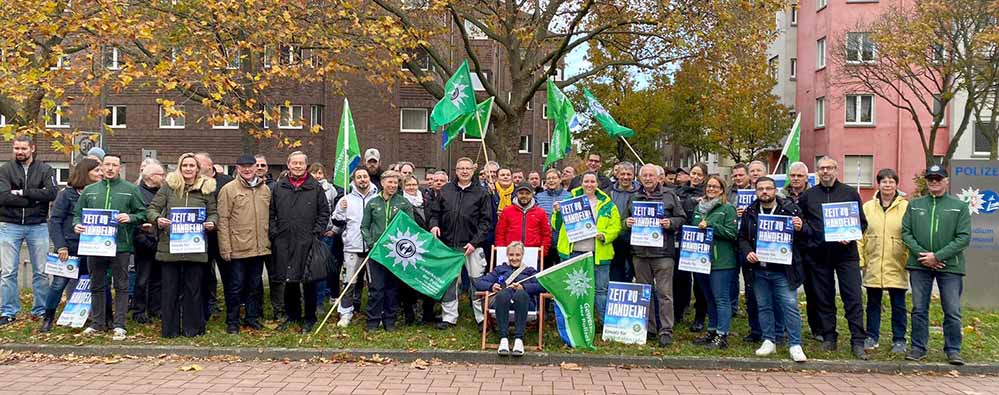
647,231
774,239
695,249
571,283
68,269
627,315
841,221
78,307
99,237
416,257
577,217
744,198
187,230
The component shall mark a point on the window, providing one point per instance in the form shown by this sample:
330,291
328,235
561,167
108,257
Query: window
414,120
474,33
267,56
939,108
820,53
316,114
227,123
983,144
415,4
525,145
234,62
820,112
112,58
938,53
477,83
3,120
794,68
313,57
115,117
820,4
544,111
290,117
290,54
419,57
794,15
61,172
774,64
544,149
62,62
858,170
859,48
172,122
57,117
859,109
264,115
509,98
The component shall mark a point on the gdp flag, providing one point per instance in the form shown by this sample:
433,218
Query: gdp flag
417,258
348,152
469,124
571,283
458,100
598,112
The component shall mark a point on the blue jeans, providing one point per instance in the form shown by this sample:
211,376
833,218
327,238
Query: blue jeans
716,287
898,313
244,284
769,287
11,237
951,286
601,280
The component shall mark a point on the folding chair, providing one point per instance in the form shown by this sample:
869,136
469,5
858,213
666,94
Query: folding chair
534,258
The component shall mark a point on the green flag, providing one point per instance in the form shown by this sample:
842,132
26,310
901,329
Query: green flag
458,100
417,257
792,145
600,113
469,124
348,153
571,283
561,112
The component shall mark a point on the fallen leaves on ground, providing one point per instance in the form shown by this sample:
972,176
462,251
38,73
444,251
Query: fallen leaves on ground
570,366
191,368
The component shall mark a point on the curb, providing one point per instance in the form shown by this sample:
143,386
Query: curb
537,358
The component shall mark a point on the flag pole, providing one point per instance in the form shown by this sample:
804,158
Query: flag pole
342,293
632,150
482,139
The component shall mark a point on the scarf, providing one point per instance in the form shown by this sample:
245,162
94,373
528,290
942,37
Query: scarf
505,195
297,182
416,200
706,205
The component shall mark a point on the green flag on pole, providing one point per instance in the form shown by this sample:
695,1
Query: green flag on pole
348,153
469,124
792,145
602,116
458,100
561,112
417,257
571,283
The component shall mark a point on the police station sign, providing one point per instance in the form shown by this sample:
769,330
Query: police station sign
977,183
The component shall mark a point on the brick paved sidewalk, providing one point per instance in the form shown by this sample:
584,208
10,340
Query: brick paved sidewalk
159,377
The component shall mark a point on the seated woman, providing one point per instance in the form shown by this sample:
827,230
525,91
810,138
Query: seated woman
510,294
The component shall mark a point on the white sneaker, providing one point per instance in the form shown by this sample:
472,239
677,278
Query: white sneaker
797,354
504,347
90,331
767,348
344,320
119,334
518,348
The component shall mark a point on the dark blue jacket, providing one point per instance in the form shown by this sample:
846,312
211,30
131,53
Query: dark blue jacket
502,272
61,221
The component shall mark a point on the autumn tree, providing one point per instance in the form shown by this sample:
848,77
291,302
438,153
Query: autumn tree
533,38
918,57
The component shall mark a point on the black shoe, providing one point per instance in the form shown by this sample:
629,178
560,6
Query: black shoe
285,326
308,327
697,327
954,358
47,321
389,326
665,340
859,352
819,338
720,342
255,325
445,325
232,329
141,318
6,320
753,339
830,345
915,355
372,327
707,338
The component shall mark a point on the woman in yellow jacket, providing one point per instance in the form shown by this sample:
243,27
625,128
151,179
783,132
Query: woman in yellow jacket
608,227
882,259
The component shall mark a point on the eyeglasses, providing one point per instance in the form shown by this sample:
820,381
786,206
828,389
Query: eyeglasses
261,165
712,186
934,179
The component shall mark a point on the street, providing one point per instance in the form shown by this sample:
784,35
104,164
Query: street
165,375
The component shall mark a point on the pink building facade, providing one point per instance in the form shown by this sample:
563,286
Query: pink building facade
861,131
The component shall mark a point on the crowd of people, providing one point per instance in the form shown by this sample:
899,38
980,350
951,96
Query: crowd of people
255,223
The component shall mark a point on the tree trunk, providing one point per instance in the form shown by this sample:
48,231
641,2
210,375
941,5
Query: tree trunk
503,140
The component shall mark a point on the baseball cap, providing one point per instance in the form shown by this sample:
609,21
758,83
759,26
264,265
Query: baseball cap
935,170
523,185
372,153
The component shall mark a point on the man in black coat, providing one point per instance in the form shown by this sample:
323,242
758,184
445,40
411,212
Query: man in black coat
827,262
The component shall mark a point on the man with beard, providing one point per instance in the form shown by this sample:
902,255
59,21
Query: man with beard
27,187
350,212
372,161
524,221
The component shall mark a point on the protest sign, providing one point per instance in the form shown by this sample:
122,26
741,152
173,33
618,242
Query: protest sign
578,219
99,237
774,239
68,269
745,197
627,313
841,221
187,230
695,249
647,231
78,307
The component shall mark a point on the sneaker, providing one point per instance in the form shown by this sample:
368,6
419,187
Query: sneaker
344,320
707,338
445,325
6,320
954,358
665,340
767,348
119,334
90,331
518,348
720,342
870,344
858,351
797,354
915,355
898,348
504,347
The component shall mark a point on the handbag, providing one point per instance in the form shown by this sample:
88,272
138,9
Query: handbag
316,264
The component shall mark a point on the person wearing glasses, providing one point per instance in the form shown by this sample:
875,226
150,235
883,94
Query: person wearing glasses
594,163
715,212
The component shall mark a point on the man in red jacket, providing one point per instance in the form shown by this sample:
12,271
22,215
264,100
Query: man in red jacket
524,221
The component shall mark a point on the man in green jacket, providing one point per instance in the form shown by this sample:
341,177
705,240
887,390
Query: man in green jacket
378,214
937,229
112,193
